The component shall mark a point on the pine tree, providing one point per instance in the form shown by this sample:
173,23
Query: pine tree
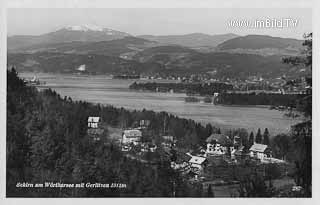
259,137
219,131
208,130
266,137
251,139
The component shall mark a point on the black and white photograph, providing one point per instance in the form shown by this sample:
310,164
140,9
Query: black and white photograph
158,103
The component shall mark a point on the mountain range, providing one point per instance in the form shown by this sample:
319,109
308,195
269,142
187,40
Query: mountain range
192,40
221,55
262,44
67,34
109,48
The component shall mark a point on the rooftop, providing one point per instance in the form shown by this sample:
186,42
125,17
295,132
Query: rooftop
219,138
93,119
258,147
197,160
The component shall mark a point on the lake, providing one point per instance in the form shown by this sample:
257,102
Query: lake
116,92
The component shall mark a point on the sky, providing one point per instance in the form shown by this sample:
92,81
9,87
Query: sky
161,21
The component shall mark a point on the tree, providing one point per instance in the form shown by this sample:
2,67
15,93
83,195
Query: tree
251,139
259,137
302,144
272,171
208,130
266,137
219,131
254,187
243,134
281,145
302,132
47,140
210,193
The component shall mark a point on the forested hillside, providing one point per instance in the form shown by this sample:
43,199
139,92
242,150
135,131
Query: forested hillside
107,48
47,142
260,41
69,63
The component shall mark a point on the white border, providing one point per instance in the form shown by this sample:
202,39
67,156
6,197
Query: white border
163,4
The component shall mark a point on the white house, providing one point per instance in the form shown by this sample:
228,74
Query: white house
197,163
216,149
218,144
131,136
93,122
260,151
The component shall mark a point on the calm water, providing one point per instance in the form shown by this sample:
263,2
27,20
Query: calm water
103,89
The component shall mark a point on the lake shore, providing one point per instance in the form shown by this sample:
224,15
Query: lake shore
115,92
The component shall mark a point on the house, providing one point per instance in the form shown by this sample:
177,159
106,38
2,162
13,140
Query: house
168,138
131,136
218,144
180,162
94,122
197,163
144,123
168,141
260,151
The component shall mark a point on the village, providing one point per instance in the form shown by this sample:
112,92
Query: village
220,164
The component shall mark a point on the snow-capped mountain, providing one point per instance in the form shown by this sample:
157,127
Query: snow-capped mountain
93,28
84,33
84,28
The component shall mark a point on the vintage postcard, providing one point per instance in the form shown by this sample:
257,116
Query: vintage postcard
159,102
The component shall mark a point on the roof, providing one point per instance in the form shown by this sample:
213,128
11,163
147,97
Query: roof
197,160
258,147
93,119
133,133
219,138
